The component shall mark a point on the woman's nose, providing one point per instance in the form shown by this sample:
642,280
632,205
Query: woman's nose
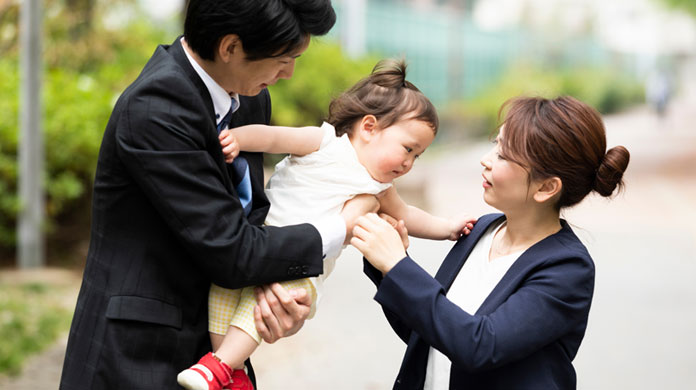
486,160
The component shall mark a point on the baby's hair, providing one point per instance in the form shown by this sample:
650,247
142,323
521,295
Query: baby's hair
387,95
565,138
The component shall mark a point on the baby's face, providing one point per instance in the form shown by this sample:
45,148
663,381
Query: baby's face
391,152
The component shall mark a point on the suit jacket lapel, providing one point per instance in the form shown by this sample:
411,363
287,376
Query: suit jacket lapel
460,252
519,269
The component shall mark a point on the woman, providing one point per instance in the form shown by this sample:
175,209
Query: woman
508,307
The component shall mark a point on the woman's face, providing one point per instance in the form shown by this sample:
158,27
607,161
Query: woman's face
506,184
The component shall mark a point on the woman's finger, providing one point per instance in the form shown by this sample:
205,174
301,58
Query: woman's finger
360,232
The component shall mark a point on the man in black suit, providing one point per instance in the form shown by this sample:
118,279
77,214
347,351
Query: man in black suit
170,217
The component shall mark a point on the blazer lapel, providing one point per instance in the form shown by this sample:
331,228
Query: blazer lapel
176,50
460,252
519,269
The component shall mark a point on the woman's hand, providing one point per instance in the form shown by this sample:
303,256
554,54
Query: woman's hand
230,146
382,244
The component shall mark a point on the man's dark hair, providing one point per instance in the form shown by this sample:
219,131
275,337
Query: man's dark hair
267,28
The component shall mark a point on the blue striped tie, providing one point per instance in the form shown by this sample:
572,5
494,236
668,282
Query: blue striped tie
242,180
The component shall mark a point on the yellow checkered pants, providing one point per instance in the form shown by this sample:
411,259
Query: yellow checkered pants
236,307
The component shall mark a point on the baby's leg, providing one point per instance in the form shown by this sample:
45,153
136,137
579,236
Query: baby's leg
242,338
209,372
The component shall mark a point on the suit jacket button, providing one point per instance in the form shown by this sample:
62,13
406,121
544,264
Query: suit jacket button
305,270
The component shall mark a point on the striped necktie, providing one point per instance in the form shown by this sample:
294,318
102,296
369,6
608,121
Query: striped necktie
241,178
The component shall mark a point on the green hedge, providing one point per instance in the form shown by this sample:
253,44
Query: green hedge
82,79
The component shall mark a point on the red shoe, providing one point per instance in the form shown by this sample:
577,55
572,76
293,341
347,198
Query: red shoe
240,380
208,374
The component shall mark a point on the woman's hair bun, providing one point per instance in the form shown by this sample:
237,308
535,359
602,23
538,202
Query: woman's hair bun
610,172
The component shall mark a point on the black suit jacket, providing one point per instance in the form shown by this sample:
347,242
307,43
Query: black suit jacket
526,332
166,222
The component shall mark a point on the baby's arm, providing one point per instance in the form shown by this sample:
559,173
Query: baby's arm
422,224
270,139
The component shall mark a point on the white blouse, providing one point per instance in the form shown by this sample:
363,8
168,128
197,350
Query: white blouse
475,281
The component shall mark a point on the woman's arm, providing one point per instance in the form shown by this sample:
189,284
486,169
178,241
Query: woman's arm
552,300
271,139
551,303
422,224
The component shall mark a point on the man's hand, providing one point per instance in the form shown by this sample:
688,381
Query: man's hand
356,207
280,313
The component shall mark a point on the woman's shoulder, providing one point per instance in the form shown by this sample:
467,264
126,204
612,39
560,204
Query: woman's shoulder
565,244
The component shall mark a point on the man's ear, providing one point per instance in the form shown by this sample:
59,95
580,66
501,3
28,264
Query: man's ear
229,46
547,189
367,127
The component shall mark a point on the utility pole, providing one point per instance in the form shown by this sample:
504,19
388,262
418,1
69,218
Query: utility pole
31,156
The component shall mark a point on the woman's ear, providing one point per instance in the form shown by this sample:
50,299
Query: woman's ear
367,127
229,46
548,189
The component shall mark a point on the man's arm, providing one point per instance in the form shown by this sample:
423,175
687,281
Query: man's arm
163,140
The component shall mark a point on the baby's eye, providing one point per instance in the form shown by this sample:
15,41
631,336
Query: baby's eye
408,149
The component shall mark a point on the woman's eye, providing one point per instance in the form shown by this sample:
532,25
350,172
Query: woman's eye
500,157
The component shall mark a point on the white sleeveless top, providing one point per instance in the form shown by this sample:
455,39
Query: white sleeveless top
304,188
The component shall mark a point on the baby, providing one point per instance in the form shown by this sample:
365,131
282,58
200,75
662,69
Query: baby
375,132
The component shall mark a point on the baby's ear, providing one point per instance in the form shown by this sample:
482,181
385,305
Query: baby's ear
367,127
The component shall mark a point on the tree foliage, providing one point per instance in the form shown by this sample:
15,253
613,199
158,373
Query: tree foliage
83,74
87,65
686,5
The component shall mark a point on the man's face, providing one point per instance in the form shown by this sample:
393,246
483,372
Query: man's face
248,78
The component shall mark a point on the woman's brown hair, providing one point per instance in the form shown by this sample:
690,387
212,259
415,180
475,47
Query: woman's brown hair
564,138
387,95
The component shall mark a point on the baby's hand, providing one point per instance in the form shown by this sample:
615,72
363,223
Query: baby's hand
230,146
461,224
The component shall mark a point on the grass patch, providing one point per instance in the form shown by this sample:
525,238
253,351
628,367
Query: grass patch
32,317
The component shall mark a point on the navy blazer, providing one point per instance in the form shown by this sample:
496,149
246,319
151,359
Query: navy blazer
166,222
525,334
